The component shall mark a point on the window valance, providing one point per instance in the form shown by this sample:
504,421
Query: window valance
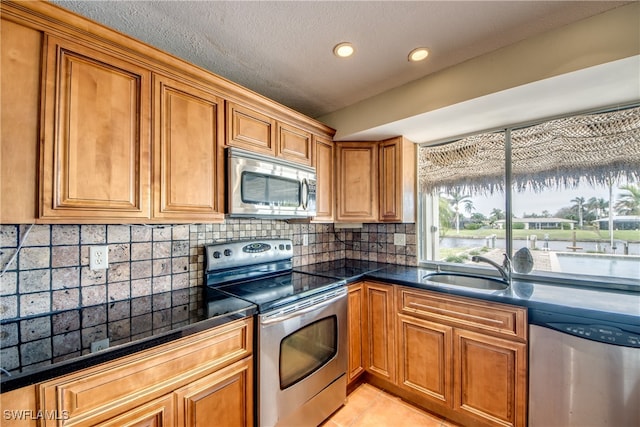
598,148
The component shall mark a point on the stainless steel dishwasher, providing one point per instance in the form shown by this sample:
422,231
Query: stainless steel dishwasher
583,372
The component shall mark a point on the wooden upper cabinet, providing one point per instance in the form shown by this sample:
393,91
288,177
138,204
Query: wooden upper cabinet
397,160
95,152
187,159
325,189
357,181
260,133
294,144
376,181
251,130
21,51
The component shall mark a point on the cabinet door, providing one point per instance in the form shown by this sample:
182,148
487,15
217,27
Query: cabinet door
490,378
250,130
294,144
96,135
188,162
324,175
357,181
356,324
380,341
157,413
21,51
425,358
397,180
224,398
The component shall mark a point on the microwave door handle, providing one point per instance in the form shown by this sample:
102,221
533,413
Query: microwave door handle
305,194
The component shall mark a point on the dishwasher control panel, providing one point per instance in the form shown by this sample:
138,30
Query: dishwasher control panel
602,333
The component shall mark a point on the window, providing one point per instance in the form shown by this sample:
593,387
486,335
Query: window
566,189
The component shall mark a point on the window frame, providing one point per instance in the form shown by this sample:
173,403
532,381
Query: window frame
427,225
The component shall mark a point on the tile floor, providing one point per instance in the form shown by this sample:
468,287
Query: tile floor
368,406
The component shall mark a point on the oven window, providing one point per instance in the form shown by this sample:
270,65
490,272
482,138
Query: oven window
262,189
307,350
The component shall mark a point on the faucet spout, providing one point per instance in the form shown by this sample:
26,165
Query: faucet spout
505,269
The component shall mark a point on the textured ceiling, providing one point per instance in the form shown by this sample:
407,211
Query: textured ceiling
283,50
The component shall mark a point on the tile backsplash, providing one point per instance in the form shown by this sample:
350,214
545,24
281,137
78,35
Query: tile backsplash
52,305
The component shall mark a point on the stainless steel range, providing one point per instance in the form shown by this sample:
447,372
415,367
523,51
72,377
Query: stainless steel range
301,329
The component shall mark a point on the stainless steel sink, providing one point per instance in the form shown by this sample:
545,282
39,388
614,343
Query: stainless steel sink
467,281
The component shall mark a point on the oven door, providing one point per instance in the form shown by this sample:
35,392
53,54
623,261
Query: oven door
302,362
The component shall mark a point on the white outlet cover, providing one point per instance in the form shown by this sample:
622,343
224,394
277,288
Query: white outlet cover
99,257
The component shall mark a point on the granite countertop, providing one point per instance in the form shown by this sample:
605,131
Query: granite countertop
622,307
601,304
160,318
134,325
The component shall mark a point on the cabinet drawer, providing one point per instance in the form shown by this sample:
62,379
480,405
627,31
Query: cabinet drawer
96,394
493,318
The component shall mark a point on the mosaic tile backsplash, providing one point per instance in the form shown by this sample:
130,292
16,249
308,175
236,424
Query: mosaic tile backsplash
53,306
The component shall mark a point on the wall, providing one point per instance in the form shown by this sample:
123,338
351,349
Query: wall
52,306
597,40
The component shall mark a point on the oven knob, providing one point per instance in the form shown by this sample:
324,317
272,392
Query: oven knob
228,252
281,247
288,247
217,254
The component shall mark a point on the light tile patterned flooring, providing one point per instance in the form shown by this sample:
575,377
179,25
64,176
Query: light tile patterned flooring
368,406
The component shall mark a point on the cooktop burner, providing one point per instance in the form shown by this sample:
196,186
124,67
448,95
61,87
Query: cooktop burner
276,291
260,271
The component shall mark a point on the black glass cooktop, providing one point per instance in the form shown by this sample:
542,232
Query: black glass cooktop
279,290
341,269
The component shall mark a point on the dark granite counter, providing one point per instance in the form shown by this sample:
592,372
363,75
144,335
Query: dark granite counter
142,323
615,306
610,305
131,325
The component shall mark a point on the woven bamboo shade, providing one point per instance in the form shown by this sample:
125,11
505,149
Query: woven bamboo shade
592,147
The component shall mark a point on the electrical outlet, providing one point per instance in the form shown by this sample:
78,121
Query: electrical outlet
99,257
305,240
399,239
100,345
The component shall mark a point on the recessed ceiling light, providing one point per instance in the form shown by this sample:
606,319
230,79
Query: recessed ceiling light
343,50
418,54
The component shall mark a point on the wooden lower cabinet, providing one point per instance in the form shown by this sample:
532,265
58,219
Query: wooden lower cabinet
490,378
201,379
463,358
379,342
356,328
224,398
425,359
157,413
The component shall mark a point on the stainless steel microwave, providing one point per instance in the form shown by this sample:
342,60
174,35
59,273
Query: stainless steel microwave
266,187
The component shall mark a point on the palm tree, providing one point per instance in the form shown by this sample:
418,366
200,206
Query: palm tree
497,214
445,215
629,201
456,198
579,206
598,206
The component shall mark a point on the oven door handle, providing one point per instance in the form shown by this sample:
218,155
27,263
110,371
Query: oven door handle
305,310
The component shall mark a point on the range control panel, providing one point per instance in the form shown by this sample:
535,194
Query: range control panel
601,333
248,252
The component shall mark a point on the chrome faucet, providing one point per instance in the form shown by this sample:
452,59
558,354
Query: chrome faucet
504,269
